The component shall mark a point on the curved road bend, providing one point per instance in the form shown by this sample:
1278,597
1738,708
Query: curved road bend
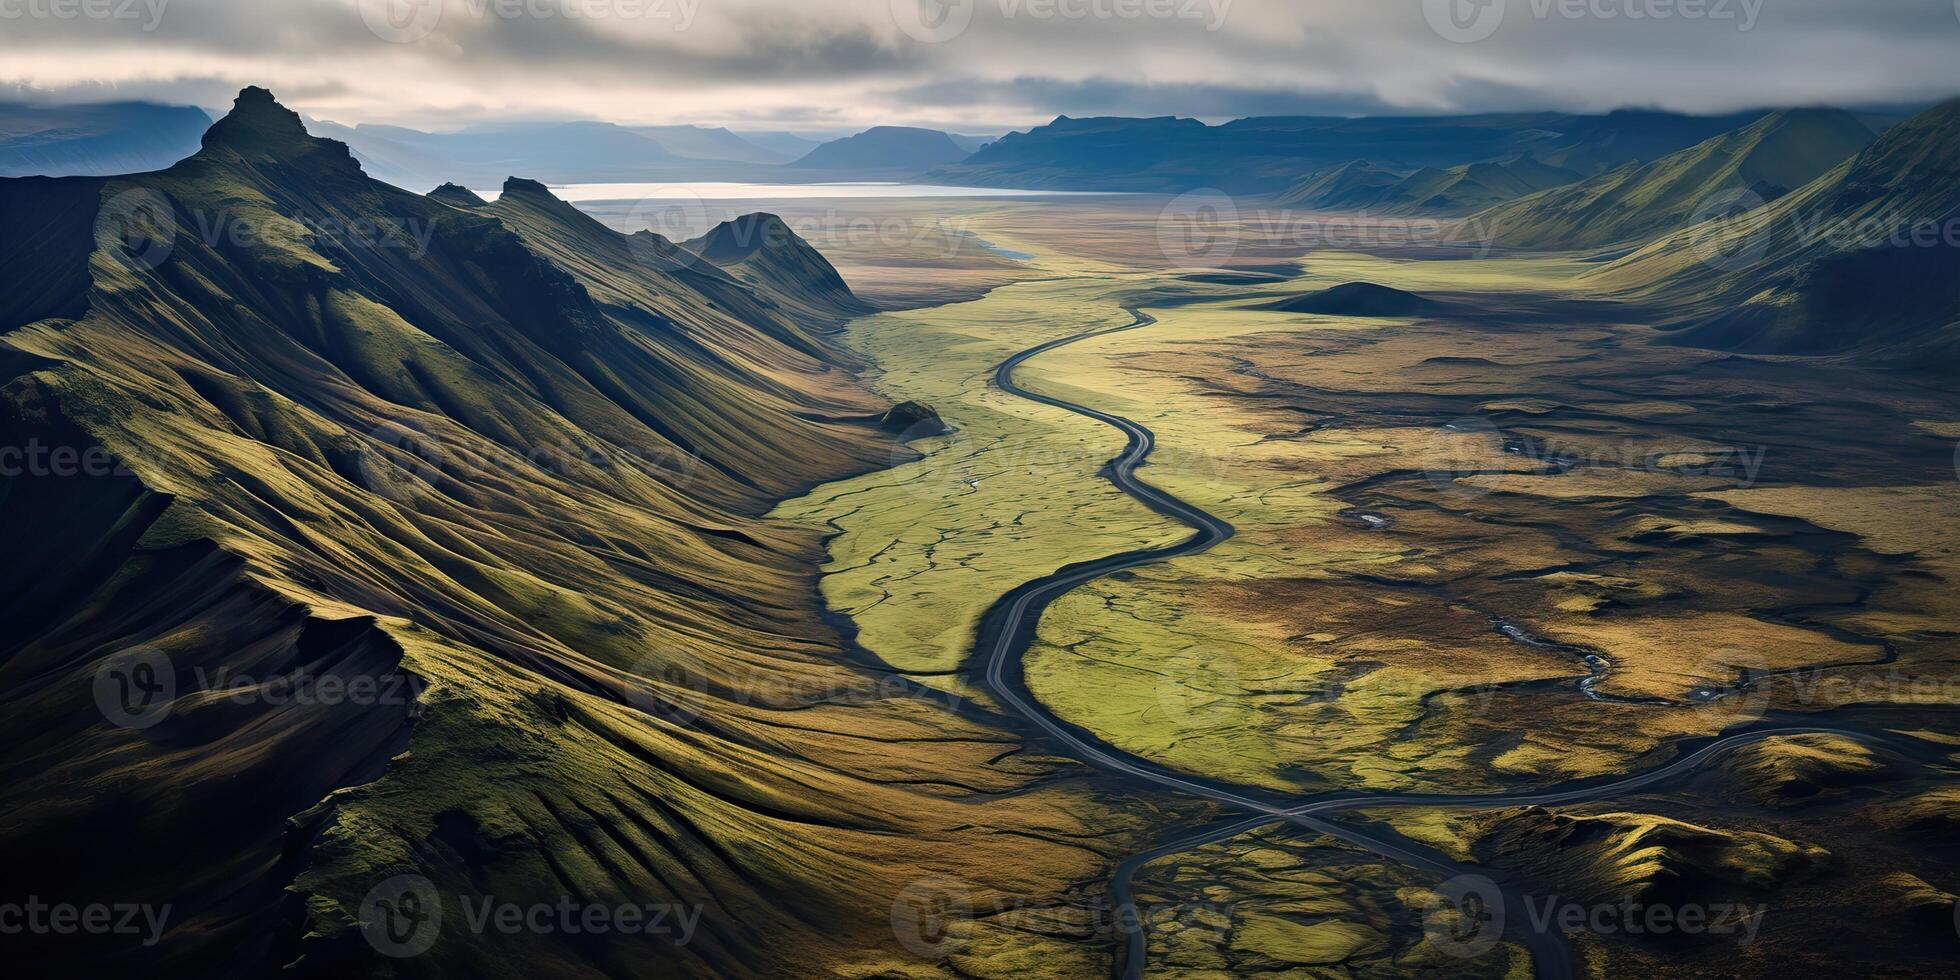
1009,627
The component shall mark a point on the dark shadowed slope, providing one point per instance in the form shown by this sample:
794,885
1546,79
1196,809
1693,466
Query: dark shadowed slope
1865,259
1768,158
1362,299
493,470
96,140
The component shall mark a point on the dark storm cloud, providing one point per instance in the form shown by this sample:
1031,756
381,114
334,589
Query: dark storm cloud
1113,97
1015,62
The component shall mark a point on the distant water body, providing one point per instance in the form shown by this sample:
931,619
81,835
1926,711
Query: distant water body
711,191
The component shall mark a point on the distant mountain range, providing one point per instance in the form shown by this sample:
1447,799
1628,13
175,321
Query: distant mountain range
96,140
1269,155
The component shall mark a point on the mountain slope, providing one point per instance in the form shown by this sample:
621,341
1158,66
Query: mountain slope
885,148
1360,186
1865,259
96,140
1768,158
500,469
1354,185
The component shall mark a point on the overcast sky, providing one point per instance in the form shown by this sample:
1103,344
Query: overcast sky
975,65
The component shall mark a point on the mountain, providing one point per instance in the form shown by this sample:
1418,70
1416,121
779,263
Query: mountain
761,250
1269,155
786,146
96,140
1863,260
387,535
1768,158
897,149
704,143
1360,186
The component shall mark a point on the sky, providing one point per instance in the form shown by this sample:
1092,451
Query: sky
976,66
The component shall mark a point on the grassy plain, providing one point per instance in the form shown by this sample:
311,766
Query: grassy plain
1505,547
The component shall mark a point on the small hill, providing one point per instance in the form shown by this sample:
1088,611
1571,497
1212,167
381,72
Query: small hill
1365,299
886,148
96,140
1793,770
1863,260
1768,158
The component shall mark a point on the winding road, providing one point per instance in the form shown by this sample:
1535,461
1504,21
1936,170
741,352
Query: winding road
1009,627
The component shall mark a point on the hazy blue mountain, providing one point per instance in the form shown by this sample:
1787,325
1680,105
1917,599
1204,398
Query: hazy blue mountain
787,145
895,149
96,140
705,143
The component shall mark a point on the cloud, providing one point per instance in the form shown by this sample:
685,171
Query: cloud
1017,63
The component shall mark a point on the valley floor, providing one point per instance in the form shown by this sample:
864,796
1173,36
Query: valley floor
1508,547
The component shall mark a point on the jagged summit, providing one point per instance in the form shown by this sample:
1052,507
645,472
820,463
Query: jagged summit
456,194
258,127
739,238
525,185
